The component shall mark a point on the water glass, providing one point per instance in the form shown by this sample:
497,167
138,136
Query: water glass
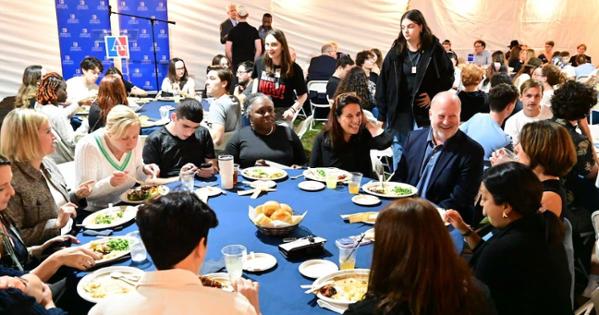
188,180
226,169
347,253
234,257
164,111
331,179
138,250
354,183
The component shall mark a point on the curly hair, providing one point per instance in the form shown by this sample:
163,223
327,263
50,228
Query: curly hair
49,88
472,74
573,100
357,82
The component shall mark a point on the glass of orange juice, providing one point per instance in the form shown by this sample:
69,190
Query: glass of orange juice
347,253
354,183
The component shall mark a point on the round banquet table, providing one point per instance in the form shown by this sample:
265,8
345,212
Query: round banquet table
280,291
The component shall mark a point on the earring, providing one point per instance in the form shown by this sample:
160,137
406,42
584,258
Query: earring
504,215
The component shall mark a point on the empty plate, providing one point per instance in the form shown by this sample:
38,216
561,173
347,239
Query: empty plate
257,262
311,185
365,200
316,268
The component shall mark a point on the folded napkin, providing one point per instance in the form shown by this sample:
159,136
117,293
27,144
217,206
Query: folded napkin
365,217
107,232
340,309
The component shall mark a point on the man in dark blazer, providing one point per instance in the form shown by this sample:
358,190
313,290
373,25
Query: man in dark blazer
323,66
441,161
228,24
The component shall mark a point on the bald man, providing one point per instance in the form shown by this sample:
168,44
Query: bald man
441,161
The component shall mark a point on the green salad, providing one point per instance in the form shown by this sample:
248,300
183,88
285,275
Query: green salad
109,217
118,244
398,190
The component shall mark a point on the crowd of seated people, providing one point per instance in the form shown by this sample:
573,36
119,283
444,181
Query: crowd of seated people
461,155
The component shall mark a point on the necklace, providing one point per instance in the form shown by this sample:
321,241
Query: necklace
413,62
272,128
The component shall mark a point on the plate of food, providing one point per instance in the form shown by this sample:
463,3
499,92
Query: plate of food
111,248
219,280
109,217
389,189
109,282
142,193
343,287
148,122
320,174
263,172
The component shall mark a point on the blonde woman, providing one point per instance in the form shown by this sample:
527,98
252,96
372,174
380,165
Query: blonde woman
112,157
42,204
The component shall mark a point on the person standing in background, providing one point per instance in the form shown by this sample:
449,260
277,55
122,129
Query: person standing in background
265,27
228,24
243,42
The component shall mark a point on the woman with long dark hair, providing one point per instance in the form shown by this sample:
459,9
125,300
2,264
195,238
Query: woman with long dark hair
415,269
111,93
278,76
415,69
348,137
178,80
523,263
357,82
28,89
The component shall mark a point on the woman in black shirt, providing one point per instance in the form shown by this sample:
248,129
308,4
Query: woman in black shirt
263,139
524,262
278,76
348,137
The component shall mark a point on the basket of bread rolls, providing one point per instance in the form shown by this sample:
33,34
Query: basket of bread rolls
274,218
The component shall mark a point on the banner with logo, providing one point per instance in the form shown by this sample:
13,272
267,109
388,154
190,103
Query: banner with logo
140,65
83,25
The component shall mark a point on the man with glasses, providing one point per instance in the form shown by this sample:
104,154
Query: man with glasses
482,57
244,78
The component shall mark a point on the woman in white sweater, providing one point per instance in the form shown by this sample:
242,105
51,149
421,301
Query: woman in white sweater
112,156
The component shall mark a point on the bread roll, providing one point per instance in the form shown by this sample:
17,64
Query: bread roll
262,220
259,210
281,215
287,208
269,207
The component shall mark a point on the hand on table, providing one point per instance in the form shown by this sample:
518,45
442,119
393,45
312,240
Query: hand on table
206,172
249,289
67,211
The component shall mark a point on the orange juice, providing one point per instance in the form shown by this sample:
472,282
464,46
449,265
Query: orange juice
354,188
348,264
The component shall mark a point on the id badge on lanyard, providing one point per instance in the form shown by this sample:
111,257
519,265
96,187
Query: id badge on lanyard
277,78
413,70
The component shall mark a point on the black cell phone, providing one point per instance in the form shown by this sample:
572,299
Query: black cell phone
206,165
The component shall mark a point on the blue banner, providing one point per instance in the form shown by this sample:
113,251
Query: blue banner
140,65
82,25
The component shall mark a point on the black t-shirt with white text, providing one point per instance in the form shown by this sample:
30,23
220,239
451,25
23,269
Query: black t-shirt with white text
279,87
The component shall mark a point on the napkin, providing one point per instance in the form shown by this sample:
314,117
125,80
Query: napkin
340,309
366,217
107,232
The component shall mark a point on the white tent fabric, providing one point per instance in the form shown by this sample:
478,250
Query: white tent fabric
28,32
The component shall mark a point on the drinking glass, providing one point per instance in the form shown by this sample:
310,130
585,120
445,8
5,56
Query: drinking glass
138,250
331,179
235,174
188,180
234,257
354,183
164,111
226,169
347,253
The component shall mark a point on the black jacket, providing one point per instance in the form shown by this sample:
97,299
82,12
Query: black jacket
437,77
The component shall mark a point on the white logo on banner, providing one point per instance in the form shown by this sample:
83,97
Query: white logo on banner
82,5
161,6
146,59
102,5
64,33
72,19
94,19
61,5
137,73
75,47
133,20
97,46
67,60
84,33
142,6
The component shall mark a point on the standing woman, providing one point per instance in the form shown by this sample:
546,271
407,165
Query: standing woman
178,80
111,93
415,69
112,158
28,90
51,95
278,76
42,204
348,137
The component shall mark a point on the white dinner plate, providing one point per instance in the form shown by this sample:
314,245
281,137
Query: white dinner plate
105,285
114,255
263,172
389,189
365,200
340,275
319,174
316,268
257,262
311,185
128,214
162,190
209,191
223,278
263,184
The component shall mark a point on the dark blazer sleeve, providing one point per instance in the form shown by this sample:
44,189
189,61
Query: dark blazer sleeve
401,170
225,27
316,157
468,181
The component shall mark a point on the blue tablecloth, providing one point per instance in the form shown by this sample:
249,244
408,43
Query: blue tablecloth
279,287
